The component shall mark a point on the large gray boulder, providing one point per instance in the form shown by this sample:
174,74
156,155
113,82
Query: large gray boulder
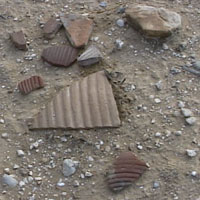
153,22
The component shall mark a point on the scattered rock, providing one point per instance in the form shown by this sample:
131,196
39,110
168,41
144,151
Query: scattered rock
51,27
191,120
127,168
194,173
19,41
153,22
156,185
28,85
9,180
181,104
119,44
186,112
88,174
76,183
120,22
69,167
62,56
103,4
4,135
78,29
91,56
191,153
159,85
20,153
157,100
196,65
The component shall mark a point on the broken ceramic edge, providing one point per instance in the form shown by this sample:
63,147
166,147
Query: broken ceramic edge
90,57
67,20
84,109
19,40
51,28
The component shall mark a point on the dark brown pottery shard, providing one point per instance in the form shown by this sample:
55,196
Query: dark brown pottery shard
88,103
78,29
28,85
19,41
51,27
62,56
127,168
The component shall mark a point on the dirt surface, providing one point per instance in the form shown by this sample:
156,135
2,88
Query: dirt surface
143,63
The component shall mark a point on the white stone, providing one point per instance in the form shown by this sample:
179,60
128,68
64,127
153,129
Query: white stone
9,180
69,167
157,100
158,134
120,22
191,120
4,135
20,153
191,153
181,104
194,173
186,112
88,174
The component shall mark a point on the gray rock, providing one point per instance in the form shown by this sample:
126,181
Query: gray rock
153,22
4,135
197,65
191,152
186,112
156,185
119,44
88,174
159,85
191,120
9,180
20,153
69,167
181,104
91,56
120,22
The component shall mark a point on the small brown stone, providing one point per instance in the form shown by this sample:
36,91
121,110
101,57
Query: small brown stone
19,41
78,30
51,27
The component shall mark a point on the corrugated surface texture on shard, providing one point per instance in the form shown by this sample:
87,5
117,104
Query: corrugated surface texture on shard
88,103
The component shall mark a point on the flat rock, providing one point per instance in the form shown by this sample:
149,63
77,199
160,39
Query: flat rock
91,56
88,103
9,180
78,29
153,22
28,85
69,167
186,112
126,169
19,41
62,56
51,27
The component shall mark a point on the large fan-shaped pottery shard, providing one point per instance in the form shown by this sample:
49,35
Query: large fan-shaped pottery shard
88,103
78,29
62,56
28,85
91,56
127,168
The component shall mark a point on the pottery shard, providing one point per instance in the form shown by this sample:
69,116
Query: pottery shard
28,85
91,56
18,39
153,22
126,169
85,104
78,29
51,27
62,56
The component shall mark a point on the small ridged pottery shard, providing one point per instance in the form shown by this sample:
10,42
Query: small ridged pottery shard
62,56
51,27
78,29
90,57
28,85
85,104
126,169
19,40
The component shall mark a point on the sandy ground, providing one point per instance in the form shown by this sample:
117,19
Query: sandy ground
143,63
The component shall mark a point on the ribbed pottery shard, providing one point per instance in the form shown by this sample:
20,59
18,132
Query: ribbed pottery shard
91,56
88,103
62,56
28,85
127,168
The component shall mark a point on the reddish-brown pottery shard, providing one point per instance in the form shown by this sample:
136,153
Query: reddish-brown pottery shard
51,27
62,56
85,104
127,168
28,85
18,39
78,29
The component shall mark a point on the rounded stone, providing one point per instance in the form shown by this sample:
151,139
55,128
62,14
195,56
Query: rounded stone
9,180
